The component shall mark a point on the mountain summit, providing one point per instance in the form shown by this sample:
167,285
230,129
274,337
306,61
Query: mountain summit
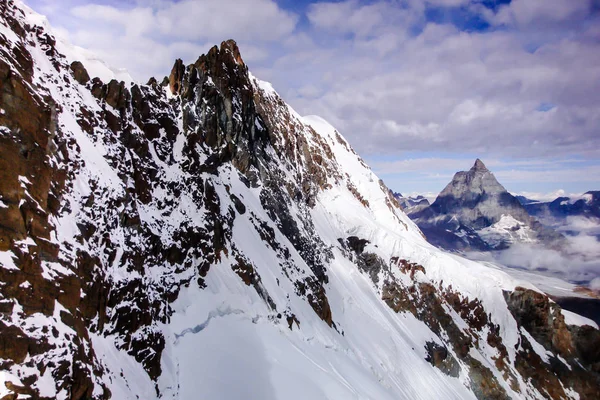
199,238
479,166
475,211
476,199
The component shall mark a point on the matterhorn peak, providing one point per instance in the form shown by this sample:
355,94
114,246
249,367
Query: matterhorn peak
479,166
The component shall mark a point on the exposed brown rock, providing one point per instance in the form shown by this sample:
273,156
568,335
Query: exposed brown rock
317,298
79,72
542,318
232,47
246,271
98,88
407,267
176,76
439,357
428,304
226,119
117,95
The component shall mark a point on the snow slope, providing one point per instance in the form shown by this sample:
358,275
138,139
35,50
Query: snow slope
507,230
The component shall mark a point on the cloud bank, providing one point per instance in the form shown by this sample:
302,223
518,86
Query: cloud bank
577,262
509,80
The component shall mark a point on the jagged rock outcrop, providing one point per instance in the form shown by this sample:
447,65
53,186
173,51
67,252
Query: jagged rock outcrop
79,72
220,125
542,319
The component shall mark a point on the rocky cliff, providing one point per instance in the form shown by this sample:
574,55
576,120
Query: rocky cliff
200,238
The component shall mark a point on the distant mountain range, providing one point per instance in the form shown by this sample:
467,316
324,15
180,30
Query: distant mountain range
411,204
569,215
561,207
525,201
475,212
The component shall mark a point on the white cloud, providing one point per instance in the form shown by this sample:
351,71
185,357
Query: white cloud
582,174
544,197
216,19
147,38
420,165
524,12
390,81
578,262
351,16
259,20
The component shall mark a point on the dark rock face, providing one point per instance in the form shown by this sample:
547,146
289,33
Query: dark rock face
368,262
534,314
430,304
439,357
356,244
33,180
79,72
588,307
176,76
105,254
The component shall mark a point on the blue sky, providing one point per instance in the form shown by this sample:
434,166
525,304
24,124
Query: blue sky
419,88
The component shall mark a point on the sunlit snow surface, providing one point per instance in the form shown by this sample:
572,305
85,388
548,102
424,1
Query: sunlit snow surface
223,343
507,230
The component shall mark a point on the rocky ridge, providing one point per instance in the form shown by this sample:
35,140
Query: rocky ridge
136,220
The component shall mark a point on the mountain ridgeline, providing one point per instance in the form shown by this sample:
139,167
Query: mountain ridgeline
588,206
198,238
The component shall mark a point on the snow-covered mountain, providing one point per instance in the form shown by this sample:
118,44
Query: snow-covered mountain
411,204
475,212
557,211
574,216
199,238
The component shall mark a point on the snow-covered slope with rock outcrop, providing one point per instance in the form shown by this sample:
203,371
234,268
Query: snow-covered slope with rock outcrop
199,238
